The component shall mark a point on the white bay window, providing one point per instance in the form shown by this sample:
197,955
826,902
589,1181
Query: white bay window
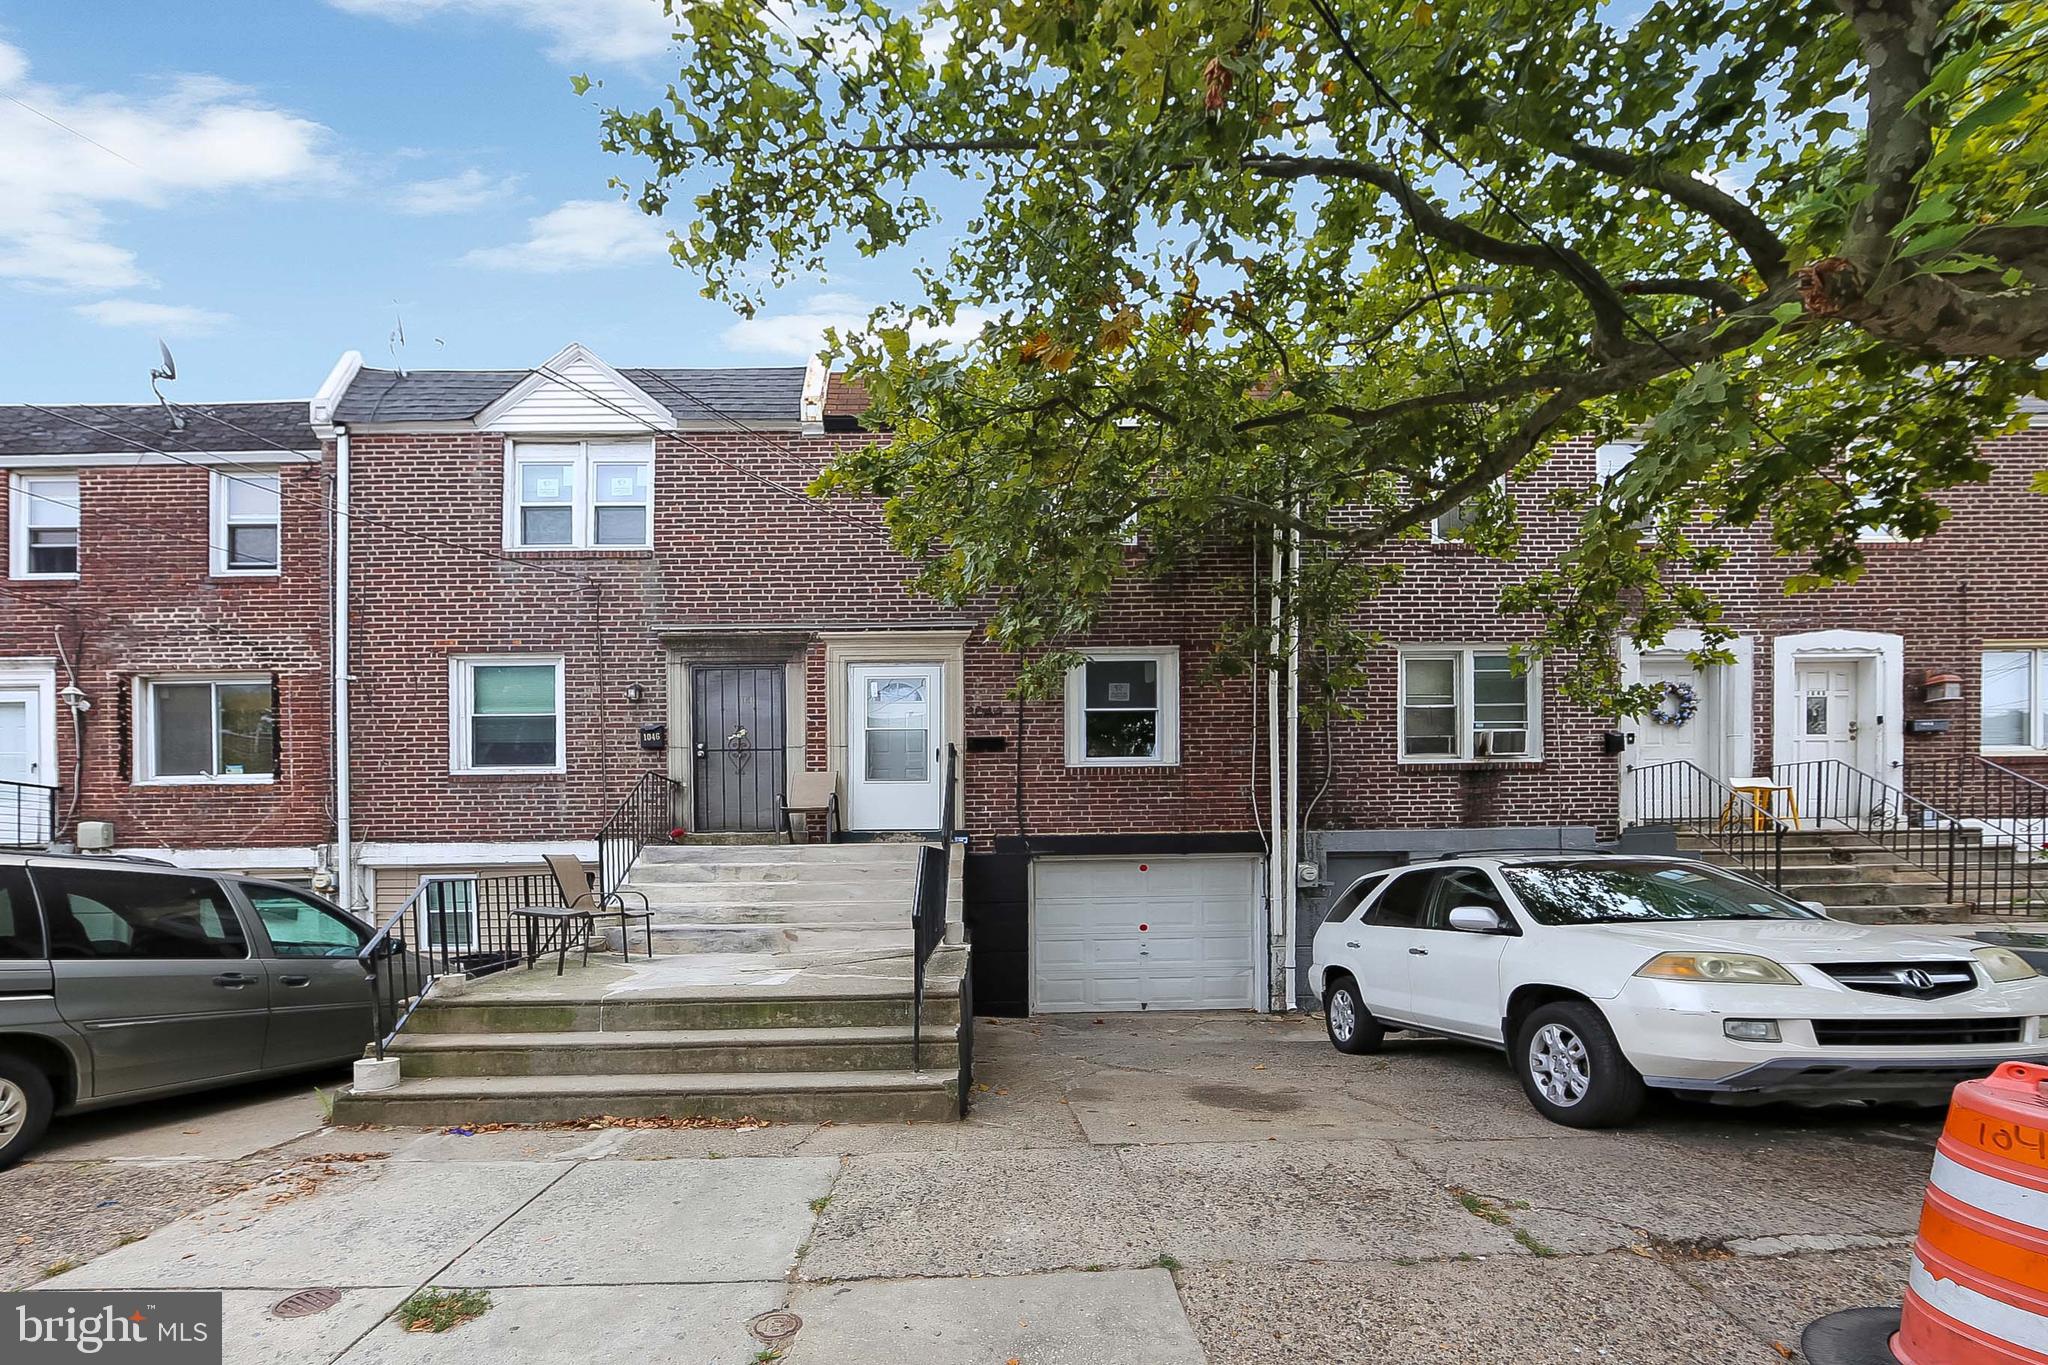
1467,704
2015,701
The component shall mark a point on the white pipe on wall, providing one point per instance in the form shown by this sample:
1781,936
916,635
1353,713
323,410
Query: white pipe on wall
1276,845
1293,891
344,850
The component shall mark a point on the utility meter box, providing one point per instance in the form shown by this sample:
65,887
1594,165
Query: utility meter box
96,835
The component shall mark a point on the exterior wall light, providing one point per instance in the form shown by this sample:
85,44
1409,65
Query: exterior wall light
635,693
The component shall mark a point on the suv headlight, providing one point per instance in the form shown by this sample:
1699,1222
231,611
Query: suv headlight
1734,969
2003,964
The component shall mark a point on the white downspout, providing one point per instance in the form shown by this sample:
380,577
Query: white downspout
1291,892
344,836
1276,846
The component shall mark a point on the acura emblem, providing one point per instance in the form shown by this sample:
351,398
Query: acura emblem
1917,979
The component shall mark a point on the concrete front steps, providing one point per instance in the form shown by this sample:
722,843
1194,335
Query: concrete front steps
682,1036
1854,878
813,901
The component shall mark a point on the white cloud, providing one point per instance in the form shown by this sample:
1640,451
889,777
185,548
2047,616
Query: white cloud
58,189
582,234
453,194
600,30
171,319
801,334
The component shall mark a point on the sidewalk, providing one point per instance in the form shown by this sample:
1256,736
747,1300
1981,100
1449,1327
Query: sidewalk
1160,1191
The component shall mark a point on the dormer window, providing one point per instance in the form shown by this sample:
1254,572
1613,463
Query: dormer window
580,495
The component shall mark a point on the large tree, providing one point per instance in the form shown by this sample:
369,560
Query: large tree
1328,270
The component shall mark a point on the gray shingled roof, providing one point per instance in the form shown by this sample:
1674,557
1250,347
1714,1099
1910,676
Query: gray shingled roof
119,428
765,394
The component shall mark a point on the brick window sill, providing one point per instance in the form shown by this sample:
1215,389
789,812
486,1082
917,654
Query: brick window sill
579,554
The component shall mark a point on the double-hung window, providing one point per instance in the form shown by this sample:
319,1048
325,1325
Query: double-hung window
1123,709
2015,693
447,912
246,520
1460,705
210,729
45,520
507,714
580,495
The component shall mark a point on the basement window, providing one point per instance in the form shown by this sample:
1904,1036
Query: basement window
1461,705
580,495
446,912
44,515
246,518
219,729
1123,710
506,714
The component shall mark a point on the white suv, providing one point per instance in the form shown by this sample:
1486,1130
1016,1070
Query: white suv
1607,975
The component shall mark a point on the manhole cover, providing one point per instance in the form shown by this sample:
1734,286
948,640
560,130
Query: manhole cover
306,1303
776,1327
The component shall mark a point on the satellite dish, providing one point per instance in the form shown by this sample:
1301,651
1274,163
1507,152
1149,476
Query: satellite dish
166,372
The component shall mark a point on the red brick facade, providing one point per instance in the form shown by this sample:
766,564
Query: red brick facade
147,604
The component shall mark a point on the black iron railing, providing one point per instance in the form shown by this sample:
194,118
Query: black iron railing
2001,849
1831,793
1690,800
928,929
451,925
28,814
646,816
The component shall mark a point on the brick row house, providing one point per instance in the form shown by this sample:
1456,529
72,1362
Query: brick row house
562,578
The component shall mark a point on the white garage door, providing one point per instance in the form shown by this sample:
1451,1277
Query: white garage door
1173,933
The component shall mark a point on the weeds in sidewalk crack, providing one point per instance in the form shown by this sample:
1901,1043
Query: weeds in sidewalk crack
1531,1245
437,1310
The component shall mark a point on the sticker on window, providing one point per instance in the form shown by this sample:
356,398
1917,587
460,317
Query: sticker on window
547,488
1119,691
622,488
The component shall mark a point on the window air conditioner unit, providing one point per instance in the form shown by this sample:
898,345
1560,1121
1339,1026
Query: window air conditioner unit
1503,743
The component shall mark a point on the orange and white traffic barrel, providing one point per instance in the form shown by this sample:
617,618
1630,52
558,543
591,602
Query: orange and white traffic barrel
1977,1287
1977,1290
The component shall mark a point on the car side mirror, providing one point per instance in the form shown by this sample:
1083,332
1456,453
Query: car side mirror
1477,919
394,946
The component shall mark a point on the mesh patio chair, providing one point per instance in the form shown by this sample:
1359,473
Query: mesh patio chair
578,894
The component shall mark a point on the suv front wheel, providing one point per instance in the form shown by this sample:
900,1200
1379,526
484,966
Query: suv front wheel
1572,1069
25,1104
1351,1025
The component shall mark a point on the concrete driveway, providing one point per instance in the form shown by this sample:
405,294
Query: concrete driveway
1158,1190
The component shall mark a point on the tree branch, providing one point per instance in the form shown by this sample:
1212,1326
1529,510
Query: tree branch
1724,296
1898,38
1750,232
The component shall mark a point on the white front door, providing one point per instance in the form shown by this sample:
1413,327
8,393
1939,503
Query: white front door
1671,792
24,815
896,736
1829,722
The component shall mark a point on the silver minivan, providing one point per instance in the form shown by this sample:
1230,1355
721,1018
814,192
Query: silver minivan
124,980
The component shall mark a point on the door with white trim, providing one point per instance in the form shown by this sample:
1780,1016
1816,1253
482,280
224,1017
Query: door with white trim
1677,729
895,727
1830,722
24,814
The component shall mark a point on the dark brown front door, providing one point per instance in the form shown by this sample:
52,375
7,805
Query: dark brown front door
737,726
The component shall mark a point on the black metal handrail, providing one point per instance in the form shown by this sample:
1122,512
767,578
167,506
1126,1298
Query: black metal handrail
1686,797
2001,849
28,814
928,919
450,925
646,816
1830,792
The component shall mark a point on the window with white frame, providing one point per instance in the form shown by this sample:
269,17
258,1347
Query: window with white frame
2015,700
1123,709
206,729
1460,705
246,521
44,515
580,495
446,912
507,714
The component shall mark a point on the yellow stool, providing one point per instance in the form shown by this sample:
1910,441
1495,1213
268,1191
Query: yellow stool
1762,794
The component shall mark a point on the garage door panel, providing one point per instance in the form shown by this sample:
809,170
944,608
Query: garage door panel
1197,948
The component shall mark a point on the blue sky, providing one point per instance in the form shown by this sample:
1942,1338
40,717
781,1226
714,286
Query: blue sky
282,180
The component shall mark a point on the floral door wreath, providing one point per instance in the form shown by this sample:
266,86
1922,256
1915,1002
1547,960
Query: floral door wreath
1680,704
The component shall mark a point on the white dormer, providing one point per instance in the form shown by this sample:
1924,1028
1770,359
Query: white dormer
575,392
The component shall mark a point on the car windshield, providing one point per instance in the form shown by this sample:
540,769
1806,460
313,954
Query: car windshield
1621,891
